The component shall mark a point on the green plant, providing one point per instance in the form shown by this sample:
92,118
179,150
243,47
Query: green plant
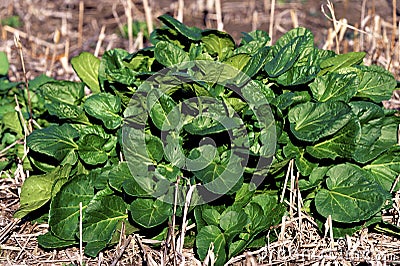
4,65
13,118
12,21
120,151
137,26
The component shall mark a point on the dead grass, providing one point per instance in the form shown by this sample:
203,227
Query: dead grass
75,26
299,241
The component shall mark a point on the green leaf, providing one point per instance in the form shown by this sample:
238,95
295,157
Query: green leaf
50,241
388,228
335,86
86,66
118,175
170,55
256,62
135,152
372,121
106,107
218,43
98,176
12,122
101,219
124,229
258,221
304,166
190,33
155,147
289,98
252,42
43,163
63,91
272,209
233,222
342,144
121,178
315,179
287,50
211,234
198,214
237,247
221,176
291,150
212,118
244,194
195,51
90,149
55,141
217,74
313,121
64,207
376,83
168,35
260,36
378,136
163,111
285,58
256,225
113,69
38,190
386,169
201,157
4,65
297,75
131,187
99,131
149,212
204,125
168,171
67,111
236,103
37,82
141,61
332,64
93,248
5,85
238,61
366,111
288,37
6,108
12,21
352,195
305,68
211,216
370,132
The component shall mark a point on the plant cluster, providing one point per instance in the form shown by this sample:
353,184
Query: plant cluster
14,114
324,113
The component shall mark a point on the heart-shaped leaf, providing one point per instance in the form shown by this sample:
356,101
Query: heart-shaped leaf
313,121
106,107
150,212
352,195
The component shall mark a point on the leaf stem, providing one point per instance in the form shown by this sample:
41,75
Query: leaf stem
18,44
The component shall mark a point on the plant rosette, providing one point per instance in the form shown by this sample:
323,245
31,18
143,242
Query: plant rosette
197,114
